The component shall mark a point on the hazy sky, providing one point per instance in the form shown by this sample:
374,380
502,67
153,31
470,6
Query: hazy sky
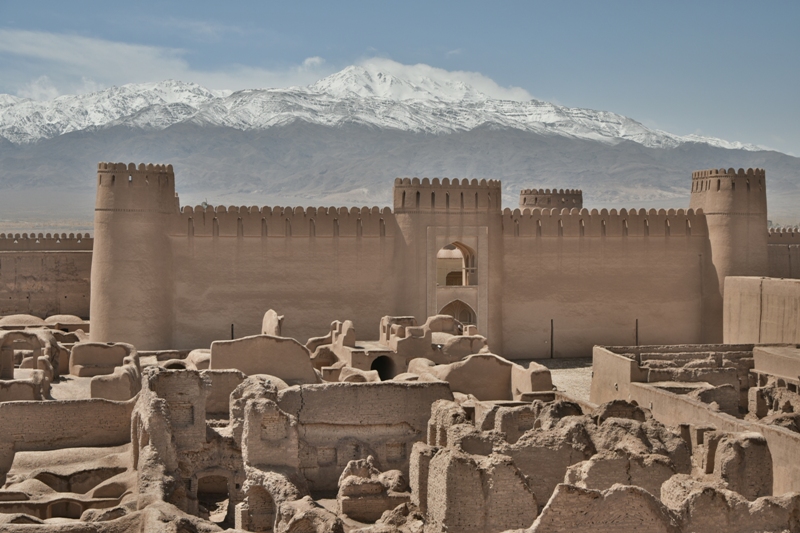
724,69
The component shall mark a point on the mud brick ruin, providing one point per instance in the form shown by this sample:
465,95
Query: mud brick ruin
198,369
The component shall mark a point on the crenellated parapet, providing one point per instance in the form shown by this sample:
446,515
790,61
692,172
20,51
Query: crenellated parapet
785,235
243,221
445,195
551,199
736,190
729,173
128,188
547,223
47,242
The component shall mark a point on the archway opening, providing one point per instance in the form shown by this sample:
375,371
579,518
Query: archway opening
456,266
461,312
212,495
385,367
260,509
65,509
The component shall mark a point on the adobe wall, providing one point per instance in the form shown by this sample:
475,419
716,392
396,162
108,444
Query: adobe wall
761,310
618,377
50,425
673,410
783,247
45,275
313,265
595,273
339,422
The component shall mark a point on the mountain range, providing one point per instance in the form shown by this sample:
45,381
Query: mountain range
341,141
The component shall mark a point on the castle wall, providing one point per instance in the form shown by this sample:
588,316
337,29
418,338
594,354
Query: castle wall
167,277
595,273
761,310
312,265
45,275
783,248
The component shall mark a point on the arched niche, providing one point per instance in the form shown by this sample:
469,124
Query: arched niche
461,312
456,266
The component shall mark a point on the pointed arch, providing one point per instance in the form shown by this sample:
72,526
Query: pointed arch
461,311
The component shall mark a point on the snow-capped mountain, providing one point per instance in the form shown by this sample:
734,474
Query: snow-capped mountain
362,95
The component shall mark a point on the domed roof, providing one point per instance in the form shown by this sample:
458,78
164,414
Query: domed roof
21,320
64,319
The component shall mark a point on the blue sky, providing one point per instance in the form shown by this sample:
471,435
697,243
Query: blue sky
724,69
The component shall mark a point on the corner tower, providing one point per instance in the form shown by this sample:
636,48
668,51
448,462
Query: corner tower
132,285
735,206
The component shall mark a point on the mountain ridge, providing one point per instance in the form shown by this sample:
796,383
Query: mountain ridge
356,94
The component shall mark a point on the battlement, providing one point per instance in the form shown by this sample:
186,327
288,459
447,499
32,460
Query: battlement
253,221
721,179
730,192
785,235
128,188
729,173
15,242
547,223
548,191
413,194
551,199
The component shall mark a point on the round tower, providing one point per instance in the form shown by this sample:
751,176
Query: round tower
131,297
735,206
547,199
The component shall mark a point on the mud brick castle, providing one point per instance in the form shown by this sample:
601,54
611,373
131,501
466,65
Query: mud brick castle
549,278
